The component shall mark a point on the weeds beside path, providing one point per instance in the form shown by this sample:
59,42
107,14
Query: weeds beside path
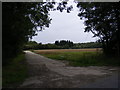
15,72
48,73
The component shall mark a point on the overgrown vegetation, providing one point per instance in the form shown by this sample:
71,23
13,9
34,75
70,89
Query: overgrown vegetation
15,72
82,58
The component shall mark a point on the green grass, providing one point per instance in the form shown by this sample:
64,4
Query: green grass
83,58
15,72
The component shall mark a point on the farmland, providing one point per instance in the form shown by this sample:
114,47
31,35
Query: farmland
80,57
68,50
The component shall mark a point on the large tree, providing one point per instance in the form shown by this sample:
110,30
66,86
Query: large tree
20,21
103,19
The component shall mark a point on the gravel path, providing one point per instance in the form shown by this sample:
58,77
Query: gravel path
48,73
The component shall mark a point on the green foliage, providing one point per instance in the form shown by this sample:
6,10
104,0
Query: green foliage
20,21
102,19
87,45
64,43
83,58
15,72
60,45
30,45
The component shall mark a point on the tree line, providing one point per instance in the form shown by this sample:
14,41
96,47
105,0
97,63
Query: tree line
62,44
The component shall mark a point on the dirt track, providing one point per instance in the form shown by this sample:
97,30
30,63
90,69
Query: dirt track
48,73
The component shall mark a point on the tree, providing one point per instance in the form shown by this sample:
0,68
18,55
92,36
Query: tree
64,43
56,42
102,19
70,44
20,21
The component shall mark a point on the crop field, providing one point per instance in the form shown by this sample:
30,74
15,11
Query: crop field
80,57
67,50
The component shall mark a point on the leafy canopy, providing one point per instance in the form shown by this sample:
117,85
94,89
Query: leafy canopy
102,19
21,21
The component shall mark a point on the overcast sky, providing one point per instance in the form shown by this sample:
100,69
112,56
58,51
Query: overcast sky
65,26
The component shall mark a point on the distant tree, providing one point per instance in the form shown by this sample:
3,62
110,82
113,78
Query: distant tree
32,42
56,42
70,44
62,42
40,43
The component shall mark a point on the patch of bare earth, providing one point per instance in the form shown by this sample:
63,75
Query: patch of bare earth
48,73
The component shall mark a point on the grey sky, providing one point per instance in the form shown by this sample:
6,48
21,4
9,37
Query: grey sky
65,26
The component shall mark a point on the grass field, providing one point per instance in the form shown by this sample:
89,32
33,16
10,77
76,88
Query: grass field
80,57
14,73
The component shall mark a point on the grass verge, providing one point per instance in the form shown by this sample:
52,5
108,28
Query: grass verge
14,73
83,58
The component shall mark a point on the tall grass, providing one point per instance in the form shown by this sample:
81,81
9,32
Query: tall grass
83,58
15,72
